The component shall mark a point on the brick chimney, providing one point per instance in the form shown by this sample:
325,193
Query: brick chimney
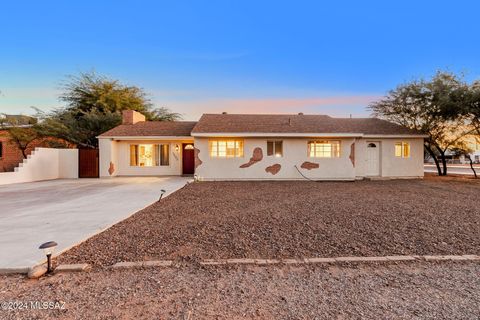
132,117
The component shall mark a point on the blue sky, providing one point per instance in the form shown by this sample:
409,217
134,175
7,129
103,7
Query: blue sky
237,56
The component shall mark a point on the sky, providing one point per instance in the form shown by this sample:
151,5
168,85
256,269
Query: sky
194,57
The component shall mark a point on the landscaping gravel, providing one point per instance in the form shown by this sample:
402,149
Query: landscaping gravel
262,219
419,290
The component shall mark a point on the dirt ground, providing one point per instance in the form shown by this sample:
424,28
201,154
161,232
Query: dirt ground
275,220
447,290
296,219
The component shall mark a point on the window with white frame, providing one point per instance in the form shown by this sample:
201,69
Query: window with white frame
275,148
226,148
324,149
149,155
402,149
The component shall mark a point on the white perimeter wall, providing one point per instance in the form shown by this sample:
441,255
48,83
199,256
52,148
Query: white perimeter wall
44,164
118,153
295,153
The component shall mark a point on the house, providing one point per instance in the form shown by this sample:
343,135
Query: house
262,146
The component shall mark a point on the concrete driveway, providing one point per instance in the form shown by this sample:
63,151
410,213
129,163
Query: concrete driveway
69,212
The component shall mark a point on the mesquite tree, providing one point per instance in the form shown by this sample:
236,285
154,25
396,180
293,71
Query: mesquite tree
433,107
93,105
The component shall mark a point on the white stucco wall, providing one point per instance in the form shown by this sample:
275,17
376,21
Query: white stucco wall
107,154
118,152
295,153
391,166
44,164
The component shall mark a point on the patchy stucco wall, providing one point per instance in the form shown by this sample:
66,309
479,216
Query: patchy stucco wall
294,153
350,165
118,153
107,154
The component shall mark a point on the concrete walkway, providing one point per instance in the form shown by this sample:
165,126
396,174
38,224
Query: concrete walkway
69,212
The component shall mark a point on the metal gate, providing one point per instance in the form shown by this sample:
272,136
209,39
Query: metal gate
88,163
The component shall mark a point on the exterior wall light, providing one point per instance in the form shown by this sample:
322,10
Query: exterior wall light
177,148
49,248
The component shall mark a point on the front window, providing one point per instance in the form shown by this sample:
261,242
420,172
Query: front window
149,155
402,149
226,148
324,149
275,148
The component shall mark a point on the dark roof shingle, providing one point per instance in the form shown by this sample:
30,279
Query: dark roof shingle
284,123
152,128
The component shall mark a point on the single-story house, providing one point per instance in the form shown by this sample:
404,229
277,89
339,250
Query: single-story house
262,146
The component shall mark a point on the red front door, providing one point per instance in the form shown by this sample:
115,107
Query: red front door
188,158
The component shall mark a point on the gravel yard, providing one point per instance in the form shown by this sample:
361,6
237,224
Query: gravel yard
296,219
448,290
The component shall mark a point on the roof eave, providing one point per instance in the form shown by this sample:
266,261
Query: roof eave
304,135
272,134
146,137
395,135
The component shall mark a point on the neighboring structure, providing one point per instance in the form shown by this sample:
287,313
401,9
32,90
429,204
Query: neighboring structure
473,143
10,155
259,146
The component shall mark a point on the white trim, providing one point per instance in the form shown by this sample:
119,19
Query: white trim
117,138
269,134
394,136
307,135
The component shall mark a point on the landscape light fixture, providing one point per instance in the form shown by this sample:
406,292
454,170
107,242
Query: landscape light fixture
161,194
48,248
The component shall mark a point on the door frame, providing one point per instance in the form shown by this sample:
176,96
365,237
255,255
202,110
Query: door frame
193,158
379,150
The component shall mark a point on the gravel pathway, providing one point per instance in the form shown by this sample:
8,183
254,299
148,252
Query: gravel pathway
447,290
294,220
